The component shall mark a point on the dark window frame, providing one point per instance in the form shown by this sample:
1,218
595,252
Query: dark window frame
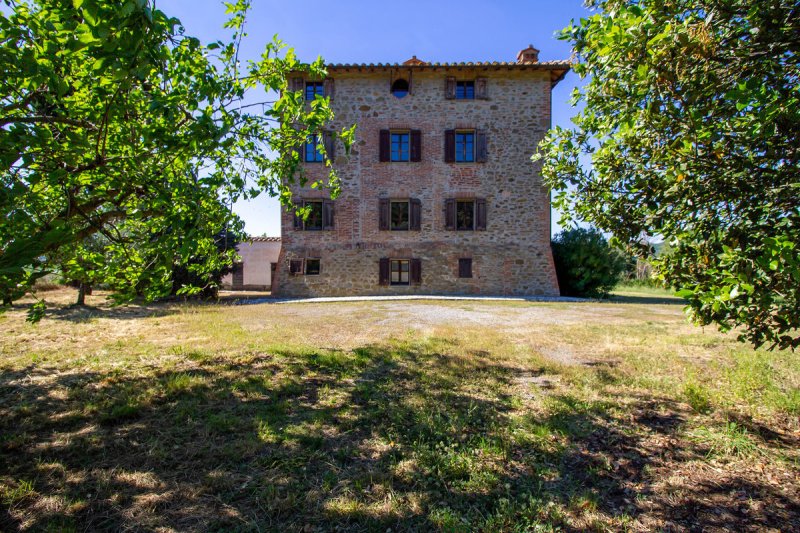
465,267
310,260
407,143
399,264
321,216
464,139
407,203
465,90
310,148
398,92
473,215
317,88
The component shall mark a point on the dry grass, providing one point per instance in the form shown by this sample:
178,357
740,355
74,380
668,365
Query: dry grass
403,415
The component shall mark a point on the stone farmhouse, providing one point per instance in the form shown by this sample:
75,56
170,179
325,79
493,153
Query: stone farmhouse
439,195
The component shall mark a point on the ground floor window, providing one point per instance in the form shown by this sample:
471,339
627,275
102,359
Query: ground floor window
465,267
312,267
399,269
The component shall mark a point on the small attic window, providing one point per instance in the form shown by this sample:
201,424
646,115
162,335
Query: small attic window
400,88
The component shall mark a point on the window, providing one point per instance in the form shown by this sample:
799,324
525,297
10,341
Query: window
400,216
465,215
465,146
465,267
314,220
399,271
313,155
465,90
295,266
400,146
400,88
314,88
312,267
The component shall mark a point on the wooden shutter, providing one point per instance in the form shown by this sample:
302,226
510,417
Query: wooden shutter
296,267
328,87
450,146
450,88
383,214
416,146
450,214
416,271
480,146
415,215
328,138
298,85
298,220
384,146
383,271
327,214
481,89
480,214
465,267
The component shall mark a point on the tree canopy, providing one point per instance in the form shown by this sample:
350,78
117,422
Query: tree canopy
691,122
114,121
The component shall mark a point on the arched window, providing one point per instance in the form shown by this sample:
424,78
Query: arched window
400,88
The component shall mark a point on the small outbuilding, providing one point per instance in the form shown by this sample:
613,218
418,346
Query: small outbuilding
256,270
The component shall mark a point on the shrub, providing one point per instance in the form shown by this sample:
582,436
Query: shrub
586,264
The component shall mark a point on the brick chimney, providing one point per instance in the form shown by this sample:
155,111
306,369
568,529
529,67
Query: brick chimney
528,55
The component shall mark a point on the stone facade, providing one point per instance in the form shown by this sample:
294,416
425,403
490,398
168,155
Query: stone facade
511,256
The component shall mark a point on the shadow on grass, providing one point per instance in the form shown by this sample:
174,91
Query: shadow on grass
645,300
399,436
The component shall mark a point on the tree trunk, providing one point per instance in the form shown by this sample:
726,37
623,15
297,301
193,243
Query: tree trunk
81,294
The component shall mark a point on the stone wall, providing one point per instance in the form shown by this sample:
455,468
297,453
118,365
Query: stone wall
511,257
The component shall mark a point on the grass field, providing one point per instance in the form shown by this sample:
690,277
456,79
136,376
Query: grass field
370,416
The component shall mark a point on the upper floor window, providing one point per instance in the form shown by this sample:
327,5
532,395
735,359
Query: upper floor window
465,146
320,216
465,90
400,88
400,146
399,215
312,152
465,215
314,88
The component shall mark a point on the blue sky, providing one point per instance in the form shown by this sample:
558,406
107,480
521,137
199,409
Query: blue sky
353,31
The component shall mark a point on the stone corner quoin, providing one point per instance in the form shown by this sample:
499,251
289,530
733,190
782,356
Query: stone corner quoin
464,210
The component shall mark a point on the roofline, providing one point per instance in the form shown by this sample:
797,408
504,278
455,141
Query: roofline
558,69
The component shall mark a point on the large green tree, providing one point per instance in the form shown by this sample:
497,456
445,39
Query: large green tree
690,129
114,121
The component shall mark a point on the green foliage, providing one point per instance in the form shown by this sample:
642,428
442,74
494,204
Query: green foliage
698,397
586,264
116,123
692,125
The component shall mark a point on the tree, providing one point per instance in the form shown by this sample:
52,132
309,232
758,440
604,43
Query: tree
586,264
115,122
692,125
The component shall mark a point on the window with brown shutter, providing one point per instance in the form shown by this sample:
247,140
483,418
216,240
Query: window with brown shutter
465,267
416,214
480,146
481,88
416,271
480,214
450,88
384,145
450,146
297,84
383,214
383,271
329,140
416,146
327,214
450,214
314,89
298,220
329,87
295,267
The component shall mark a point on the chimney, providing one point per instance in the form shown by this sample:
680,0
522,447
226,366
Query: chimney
528,55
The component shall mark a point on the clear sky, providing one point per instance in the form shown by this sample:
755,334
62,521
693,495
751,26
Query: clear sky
358,31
